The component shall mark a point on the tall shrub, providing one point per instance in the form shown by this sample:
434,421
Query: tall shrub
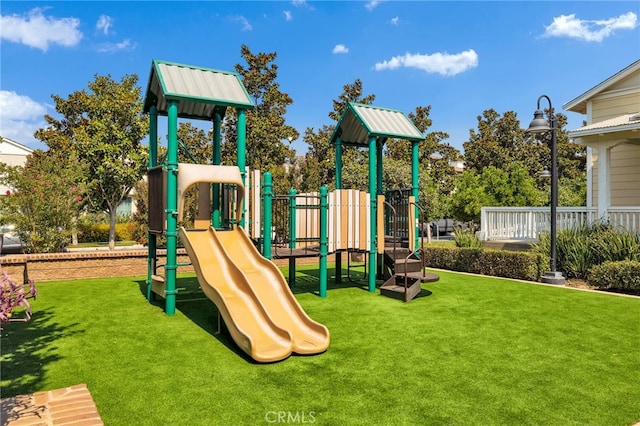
580,248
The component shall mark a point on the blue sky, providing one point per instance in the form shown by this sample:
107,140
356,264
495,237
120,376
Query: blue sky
459,57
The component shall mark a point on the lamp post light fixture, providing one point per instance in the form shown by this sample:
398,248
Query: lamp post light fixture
540,125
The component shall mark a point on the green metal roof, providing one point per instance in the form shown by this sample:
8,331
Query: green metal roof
200,92
360,122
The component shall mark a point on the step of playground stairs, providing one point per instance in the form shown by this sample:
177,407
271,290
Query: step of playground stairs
399,242
422,276
398,253
407,265
395,289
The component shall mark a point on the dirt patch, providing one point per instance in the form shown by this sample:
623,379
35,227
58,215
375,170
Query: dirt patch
576,283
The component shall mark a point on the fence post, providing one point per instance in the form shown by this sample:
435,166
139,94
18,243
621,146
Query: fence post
268,211
324,240
484,224
292,236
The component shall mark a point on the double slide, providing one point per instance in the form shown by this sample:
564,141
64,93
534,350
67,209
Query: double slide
252,295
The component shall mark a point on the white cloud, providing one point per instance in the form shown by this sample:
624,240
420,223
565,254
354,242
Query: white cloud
246,25
436,63
104,24
287,15
395,21
589,30
298,3
372,4
340,48
125,45
39,31
21,117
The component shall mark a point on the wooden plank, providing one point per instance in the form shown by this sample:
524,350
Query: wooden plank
351,213
255,200
331,243
368,221
362,222
344,217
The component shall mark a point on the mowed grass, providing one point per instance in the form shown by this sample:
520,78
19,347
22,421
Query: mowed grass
470,350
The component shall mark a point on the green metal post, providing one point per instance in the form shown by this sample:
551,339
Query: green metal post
372,211
215,215
415,184
242,153
268,211
379,172
324,240
338,163
153,161
172,208
292,236
338,257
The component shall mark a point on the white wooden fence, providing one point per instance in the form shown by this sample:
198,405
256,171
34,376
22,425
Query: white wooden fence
526,223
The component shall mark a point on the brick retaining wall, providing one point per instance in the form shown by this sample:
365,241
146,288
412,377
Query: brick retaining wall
87,264
96,264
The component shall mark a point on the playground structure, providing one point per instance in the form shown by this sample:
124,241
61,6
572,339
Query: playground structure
251,295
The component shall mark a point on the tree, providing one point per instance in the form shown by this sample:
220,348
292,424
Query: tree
498,142
266,126
501,142
46,198
103,126
494,187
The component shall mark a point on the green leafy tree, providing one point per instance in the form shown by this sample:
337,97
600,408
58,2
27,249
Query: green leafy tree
501,142
498,142
494,187
196,145
103,126
46,198
267,130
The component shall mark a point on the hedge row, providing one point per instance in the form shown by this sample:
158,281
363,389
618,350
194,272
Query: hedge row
622,275
93,233
497,263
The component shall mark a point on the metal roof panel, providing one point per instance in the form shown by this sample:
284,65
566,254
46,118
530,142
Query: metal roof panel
197,90
359,122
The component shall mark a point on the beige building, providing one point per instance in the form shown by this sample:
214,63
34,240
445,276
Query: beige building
612,138
12,153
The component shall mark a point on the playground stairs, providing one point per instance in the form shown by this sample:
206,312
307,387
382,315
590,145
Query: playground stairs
403,272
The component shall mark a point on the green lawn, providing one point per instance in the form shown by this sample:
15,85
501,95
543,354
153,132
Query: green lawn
470,350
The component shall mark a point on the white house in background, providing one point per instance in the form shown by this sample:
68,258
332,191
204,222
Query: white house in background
612,138
12,153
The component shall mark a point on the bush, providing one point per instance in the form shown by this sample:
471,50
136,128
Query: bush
125,231
93,233
466,238
498,263
623,275
580,248
14,296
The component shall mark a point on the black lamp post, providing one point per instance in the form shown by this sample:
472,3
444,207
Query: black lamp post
540,125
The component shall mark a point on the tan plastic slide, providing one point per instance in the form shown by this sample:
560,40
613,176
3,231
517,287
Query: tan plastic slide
252,295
